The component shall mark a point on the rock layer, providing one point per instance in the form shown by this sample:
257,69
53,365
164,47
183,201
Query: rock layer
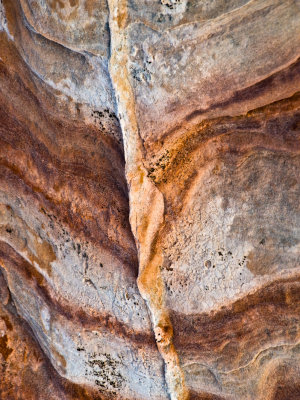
149,216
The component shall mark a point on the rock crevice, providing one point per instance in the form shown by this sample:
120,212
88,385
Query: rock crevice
146,201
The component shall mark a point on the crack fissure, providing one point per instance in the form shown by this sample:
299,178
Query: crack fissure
146,202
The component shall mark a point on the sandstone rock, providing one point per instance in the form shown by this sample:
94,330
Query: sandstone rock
149,199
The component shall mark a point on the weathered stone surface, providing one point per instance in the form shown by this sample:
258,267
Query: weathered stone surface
149,199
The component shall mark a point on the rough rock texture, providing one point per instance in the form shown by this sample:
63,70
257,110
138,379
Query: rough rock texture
149,199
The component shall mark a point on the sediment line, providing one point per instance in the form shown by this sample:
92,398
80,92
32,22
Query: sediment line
13,262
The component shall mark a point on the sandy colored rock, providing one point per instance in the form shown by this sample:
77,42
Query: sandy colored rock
149,199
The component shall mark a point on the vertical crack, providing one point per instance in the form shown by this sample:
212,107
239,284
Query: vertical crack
146,201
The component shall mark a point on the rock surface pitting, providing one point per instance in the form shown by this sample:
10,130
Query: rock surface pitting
149,199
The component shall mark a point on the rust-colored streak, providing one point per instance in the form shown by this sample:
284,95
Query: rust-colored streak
76,181
14,262
273,128
27,373
240,324
289,74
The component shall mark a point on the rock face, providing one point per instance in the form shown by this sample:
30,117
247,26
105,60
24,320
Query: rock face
149,199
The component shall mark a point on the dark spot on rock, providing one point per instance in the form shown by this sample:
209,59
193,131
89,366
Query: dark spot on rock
4,349
7,322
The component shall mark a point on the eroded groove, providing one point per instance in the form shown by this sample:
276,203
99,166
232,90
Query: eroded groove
146,203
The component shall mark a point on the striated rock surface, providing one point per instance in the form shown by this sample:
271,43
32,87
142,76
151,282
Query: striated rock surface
149,199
